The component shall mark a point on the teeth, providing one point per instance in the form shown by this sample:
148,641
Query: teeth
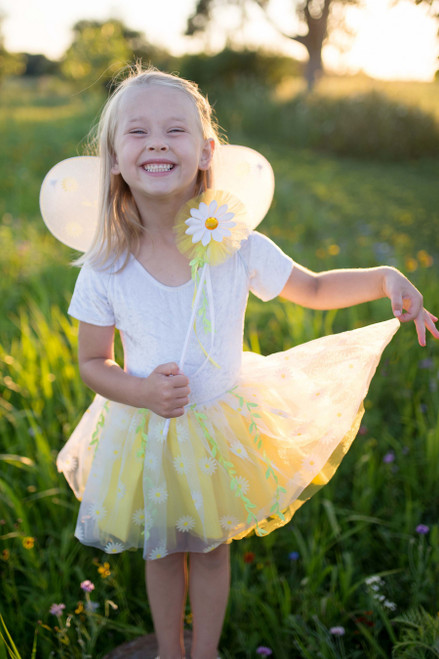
158,168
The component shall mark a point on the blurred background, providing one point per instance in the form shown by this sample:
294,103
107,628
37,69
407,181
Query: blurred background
342,96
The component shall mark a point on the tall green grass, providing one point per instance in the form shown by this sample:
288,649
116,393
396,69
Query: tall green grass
320,572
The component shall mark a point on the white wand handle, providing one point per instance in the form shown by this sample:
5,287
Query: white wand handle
188,333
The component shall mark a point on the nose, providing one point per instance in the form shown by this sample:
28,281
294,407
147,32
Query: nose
157,144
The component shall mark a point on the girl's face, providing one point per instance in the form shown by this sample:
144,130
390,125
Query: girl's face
159,146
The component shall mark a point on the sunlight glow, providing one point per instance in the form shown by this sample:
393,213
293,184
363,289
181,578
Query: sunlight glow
397,42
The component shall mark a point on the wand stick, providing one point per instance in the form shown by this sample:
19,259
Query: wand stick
188,333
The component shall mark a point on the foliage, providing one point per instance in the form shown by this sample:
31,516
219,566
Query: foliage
231,66
39,65
363,125
327,584
10,63
100,49
420,635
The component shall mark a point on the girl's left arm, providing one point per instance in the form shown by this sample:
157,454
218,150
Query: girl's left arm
336,289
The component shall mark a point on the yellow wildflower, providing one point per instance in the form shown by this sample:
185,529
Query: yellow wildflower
425,259
411,264
333,250
104,570
28,543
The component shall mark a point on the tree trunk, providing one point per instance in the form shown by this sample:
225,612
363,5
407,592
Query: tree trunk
313,41
313,68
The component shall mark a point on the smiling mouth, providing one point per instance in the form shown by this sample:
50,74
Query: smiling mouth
153,167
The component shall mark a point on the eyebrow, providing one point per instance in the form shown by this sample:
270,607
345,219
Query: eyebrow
171,119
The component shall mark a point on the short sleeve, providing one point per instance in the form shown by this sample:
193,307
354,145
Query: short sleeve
267,265
90,302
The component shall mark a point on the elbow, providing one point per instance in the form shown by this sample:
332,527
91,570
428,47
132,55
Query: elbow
314,294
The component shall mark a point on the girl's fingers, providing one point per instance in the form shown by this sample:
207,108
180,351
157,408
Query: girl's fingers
430,321
425,321
397,305
420,330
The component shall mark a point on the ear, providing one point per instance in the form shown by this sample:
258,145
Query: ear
115,166
206,154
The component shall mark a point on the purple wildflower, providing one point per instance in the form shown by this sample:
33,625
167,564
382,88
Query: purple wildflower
57,609
87,586
264,651
337,631
389,457
294,555
426,363
422,529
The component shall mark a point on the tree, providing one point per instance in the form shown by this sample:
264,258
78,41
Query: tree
316,16
319,18
10,63
100,49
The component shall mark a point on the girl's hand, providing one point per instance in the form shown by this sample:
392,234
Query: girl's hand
166,391
403,295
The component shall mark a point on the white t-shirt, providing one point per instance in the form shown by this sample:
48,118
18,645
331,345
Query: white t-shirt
153,318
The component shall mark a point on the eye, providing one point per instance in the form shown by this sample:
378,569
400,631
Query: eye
176,130
137,131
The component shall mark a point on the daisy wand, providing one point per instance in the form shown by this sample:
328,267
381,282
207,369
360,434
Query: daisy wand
189,329
207,223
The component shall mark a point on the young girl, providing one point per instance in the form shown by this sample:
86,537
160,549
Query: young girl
194,444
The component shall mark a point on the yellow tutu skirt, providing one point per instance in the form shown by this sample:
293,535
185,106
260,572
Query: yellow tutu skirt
242,463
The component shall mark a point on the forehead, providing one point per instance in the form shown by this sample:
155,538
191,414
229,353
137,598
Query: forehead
157,101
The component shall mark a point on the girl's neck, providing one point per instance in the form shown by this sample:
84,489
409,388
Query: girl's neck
158,215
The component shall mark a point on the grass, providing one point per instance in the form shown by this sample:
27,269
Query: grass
352,557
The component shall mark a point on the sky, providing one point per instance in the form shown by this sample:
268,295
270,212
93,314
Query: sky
397,42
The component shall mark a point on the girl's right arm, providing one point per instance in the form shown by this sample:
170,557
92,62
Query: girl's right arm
160,393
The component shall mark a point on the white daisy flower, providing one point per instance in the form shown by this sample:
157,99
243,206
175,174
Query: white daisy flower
239,450
121,491
197,498
158,552
120,423
79,532
208,222
158,494
228,522
149,522
180,465
114,454
70,463
114,547
139,517
208,465
150,462
242,484
310,464
185,523
97,511
182,435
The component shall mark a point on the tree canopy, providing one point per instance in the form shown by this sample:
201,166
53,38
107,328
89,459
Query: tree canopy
318,18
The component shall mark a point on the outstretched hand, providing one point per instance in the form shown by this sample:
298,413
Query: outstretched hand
166,391
407,304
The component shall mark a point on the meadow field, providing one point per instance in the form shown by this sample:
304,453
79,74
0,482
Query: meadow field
356,572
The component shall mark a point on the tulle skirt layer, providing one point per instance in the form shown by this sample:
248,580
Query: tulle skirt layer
242,463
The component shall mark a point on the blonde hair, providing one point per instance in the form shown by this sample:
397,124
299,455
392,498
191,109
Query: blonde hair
119,226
